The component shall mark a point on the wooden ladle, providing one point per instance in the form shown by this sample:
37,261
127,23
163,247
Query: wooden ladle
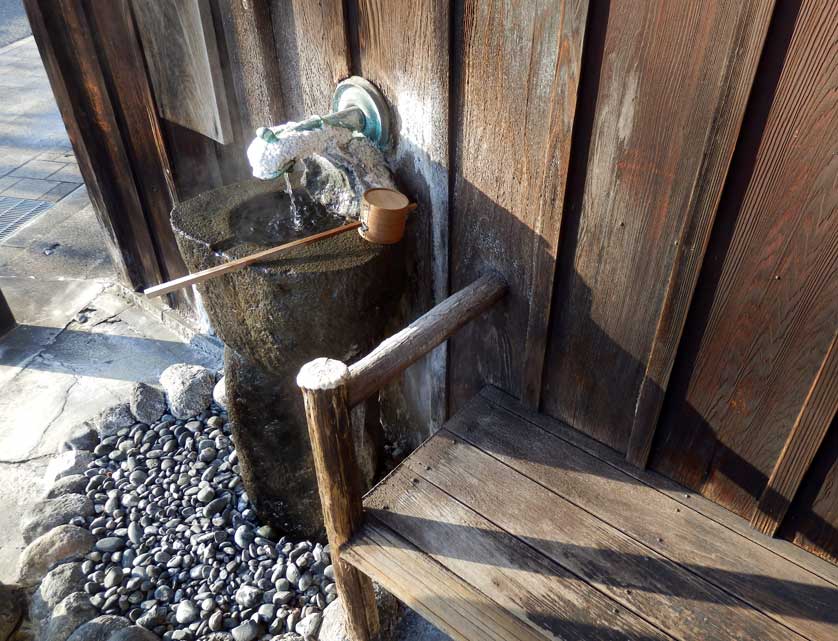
383,214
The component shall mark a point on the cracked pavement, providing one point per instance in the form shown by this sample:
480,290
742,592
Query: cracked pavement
54,377
79,345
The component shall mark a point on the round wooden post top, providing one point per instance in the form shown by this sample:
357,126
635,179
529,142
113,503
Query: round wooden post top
322,374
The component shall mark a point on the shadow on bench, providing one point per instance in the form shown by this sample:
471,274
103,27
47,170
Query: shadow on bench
509,525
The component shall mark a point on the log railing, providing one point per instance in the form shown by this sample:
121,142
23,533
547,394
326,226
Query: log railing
330,389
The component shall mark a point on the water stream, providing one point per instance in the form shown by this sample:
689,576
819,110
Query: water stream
296,218
278,217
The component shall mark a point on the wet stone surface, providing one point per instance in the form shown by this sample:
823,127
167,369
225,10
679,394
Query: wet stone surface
331,298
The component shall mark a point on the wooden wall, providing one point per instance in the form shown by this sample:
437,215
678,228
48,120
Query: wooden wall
656,180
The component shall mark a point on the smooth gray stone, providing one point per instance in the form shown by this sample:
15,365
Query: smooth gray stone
186,612
243,536
134,633
215,506
49,513
247,631
113,578
100,629
65,542
110,544
135,533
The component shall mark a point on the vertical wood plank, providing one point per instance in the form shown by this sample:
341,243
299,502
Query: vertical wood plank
313,53
72,64
124,70
253,62
184,65
669,97
812,520
692,243
195,165
403,50
514,112
766,315
802,444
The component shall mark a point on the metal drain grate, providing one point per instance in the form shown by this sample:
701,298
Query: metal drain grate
16,212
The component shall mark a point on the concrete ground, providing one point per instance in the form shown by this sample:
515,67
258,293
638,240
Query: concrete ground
13,22
81,343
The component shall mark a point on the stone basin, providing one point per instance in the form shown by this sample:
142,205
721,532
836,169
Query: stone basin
331,298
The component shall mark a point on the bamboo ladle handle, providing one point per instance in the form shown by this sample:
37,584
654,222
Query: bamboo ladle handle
235,265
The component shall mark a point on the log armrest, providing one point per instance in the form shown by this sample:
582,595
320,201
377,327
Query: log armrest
330,389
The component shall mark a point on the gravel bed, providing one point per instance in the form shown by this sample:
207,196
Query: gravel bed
178,548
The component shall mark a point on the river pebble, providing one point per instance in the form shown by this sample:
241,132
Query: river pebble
178,549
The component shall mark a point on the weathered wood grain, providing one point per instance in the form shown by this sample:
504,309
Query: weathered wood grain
403,349
802,444
518,579
184,66
769,300
403,48
518,69
339,485
313,53
698,222
661,591
437,594
669,96
194,160
810,522
667,487
253,63
663,518
123,67
62,33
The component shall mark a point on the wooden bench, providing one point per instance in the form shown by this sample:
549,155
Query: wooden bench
508,525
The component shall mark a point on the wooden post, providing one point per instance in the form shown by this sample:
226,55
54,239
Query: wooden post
7,319
323,383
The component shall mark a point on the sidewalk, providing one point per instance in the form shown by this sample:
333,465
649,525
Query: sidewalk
36,160
80,343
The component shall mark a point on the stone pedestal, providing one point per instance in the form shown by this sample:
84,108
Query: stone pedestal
332,298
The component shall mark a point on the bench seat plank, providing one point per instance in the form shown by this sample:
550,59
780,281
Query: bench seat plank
451,604
781,589
522,582
510,525
694,502
673,598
